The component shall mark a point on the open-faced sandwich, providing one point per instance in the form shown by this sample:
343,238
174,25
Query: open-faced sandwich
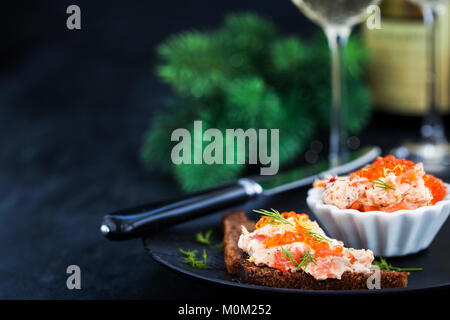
288,250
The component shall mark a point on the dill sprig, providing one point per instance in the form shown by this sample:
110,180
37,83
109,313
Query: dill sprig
274,214
289,256
318,237
207,239
190,257
219,245
382,184
307,259
384,265
315,235
204,238
304,262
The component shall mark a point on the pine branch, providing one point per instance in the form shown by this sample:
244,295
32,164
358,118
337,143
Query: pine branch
245,75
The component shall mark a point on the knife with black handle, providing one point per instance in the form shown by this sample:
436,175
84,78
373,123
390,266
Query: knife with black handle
134,222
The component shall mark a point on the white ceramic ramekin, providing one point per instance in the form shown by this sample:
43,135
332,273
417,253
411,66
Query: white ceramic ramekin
396,233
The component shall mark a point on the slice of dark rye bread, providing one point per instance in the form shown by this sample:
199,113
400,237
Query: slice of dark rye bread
237,263
232,228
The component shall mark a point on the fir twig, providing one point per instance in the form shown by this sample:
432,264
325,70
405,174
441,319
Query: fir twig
258,79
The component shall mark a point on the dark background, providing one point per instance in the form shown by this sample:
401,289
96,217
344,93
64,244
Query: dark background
74,106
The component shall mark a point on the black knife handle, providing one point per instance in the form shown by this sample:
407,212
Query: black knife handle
132,223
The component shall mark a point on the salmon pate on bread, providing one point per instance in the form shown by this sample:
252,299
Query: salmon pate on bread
288,250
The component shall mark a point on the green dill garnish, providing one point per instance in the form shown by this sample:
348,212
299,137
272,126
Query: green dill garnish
315,235
204,238
319,237
207,240
190,257
382,185
384,265
218,245
289,256
306,259
274,214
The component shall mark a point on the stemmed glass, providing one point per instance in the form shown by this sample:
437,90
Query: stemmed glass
433,150
336,17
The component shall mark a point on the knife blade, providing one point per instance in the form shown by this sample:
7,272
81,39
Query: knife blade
134,222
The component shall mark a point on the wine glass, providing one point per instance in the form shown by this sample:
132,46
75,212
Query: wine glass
433,150
336,17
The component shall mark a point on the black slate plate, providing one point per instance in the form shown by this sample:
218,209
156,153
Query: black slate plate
164,248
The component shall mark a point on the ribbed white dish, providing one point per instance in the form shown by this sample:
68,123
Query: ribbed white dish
396,233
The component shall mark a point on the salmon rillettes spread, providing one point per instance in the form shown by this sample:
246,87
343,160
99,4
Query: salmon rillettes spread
296,244
388,184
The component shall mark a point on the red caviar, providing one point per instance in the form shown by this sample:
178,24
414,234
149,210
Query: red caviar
437,188
301,234
381,167
405,169
267,220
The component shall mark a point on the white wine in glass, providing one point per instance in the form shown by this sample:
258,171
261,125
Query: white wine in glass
336,17
433,150
337,13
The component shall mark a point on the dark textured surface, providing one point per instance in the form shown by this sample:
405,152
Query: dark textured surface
73,109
